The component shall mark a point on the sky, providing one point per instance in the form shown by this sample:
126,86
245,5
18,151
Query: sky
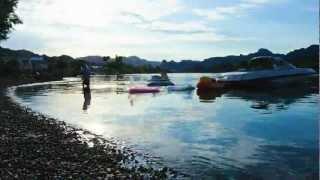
164,29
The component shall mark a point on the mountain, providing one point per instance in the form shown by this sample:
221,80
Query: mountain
93,60
182,66
305,57
131,60
136,61
16,54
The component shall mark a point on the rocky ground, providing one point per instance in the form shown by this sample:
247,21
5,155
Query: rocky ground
33,146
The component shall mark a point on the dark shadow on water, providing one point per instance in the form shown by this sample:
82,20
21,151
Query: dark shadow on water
210,95
29,91
279,163
286,163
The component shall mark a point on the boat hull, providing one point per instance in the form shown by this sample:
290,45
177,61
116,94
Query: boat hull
139,90
267,82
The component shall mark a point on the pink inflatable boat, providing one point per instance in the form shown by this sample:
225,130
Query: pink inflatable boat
143,89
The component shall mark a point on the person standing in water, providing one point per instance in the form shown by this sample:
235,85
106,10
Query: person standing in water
164,75
86,72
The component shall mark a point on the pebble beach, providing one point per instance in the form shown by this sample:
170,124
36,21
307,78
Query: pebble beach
34,146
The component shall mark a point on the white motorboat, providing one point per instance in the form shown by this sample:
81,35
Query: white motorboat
159,81
261,72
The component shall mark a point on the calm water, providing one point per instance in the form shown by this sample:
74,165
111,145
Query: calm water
220,135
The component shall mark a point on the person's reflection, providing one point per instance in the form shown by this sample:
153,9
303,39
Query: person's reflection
87,98
131,100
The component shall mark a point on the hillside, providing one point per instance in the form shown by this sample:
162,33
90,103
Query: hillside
94,60
10,54
136,61
131,60
305,57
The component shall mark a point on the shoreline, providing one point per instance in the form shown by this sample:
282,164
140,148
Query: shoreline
36,146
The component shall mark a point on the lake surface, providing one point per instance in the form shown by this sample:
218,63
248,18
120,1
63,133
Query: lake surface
270,134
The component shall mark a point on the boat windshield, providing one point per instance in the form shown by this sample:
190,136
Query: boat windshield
268,63
261,63
282,64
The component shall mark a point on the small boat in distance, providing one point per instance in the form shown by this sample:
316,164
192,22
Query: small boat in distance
162,80
263,71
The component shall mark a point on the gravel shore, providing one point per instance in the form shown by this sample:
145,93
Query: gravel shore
33,146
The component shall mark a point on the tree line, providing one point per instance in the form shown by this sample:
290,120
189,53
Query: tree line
57,68
117,66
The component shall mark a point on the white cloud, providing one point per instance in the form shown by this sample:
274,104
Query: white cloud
94,13
256,1
189,27
236,10
82,27
210,14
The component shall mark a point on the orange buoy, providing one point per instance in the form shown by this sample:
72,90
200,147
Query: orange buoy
205,83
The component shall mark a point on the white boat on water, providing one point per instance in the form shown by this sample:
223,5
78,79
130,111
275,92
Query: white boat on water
262,71
160,81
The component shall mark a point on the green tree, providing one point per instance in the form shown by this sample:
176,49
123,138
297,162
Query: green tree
8,17
106,58
119,60
12,68
2,67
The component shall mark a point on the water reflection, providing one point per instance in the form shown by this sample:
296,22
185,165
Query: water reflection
134,98
87,98
286,156
222,134
187,95
211,95
262,99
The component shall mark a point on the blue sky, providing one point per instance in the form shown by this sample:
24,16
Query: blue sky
164,29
